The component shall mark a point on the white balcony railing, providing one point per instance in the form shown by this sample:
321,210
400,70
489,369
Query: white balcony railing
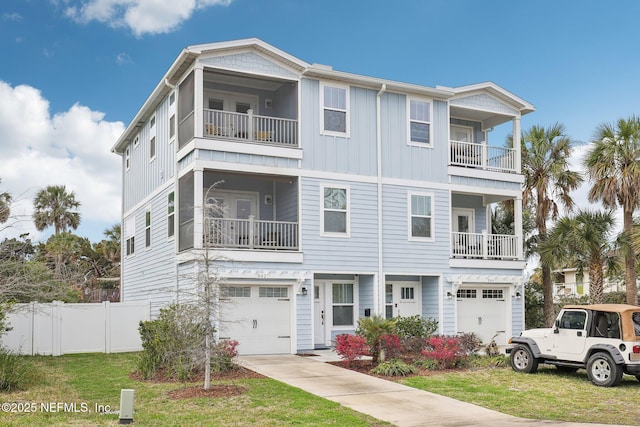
250,127
483,156
251,233
483,245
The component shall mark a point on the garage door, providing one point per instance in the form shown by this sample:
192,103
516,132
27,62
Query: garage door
483,311
258,317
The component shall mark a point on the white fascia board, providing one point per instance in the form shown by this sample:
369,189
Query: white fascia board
495,90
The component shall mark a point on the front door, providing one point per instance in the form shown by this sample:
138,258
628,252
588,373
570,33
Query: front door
403,299
319,317
233,209
571,335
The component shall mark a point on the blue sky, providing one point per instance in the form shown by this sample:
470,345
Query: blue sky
74,72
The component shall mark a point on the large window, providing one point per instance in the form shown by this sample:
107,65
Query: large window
420,216
343,304
335,110
335,211
419,122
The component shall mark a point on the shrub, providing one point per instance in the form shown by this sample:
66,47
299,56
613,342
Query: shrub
413,330
173,342
351,347
372,328
429,364
469,342
446,351
391,345
223,356
16,371
393,368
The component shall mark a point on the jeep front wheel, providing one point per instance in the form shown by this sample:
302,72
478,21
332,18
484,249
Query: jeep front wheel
522,360
602,370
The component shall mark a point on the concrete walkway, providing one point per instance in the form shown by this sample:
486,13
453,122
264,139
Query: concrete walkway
385,400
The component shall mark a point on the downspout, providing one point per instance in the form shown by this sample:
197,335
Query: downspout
378,291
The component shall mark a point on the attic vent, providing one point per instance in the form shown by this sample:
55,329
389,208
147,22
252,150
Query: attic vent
322,67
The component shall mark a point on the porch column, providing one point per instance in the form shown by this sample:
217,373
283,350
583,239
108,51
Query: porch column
516,144
517,225
198,207
198,120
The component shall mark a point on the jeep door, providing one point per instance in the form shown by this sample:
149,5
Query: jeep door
570,335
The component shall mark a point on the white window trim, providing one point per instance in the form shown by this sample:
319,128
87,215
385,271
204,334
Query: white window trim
323,233
129,232
356,303
136,141
430,122
347,132
152,137
147,228
127,159
409,216
171,217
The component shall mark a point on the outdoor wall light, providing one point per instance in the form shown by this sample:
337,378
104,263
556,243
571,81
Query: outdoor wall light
304,290
518,295
449,295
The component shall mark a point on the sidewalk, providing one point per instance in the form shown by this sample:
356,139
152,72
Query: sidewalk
385,400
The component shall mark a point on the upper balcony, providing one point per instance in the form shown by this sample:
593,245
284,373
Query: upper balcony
234,107
483,156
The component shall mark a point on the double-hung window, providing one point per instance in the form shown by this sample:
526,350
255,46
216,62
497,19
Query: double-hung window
130,235
152,139
421,217
147,229
419,122
335,211
171,213
342,298
335,110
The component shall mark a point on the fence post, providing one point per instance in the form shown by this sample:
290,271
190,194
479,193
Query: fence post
250,125
107,326
56,328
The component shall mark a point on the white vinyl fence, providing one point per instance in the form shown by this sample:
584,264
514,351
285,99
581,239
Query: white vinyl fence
57,328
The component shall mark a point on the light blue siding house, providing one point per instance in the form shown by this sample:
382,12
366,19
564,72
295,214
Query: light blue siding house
342,196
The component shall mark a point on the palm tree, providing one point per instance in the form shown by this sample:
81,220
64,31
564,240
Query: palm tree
583,241
545,156
613,168
5,206
54,206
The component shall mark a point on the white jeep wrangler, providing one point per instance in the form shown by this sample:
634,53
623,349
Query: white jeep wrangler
604,339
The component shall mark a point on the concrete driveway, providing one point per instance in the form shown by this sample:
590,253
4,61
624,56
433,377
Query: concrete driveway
385,400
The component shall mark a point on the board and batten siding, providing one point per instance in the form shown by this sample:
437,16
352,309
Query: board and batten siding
401,160
304,318
355,154
144,175
149,274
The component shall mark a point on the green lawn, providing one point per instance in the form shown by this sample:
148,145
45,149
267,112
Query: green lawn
548,394
96,379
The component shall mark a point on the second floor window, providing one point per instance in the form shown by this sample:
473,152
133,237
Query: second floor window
335,110
130,235
420,217
171,207
335,211
147,229
420,122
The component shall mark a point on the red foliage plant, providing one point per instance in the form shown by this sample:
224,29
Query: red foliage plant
351,347
446,351
391,345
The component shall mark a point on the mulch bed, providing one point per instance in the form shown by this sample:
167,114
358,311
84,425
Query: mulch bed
196,391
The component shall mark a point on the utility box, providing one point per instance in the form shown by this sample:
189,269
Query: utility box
126,406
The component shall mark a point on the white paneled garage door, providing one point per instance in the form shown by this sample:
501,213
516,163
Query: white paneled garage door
483,311
258,317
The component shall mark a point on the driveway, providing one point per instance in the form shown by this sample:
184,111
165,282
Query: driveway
385,400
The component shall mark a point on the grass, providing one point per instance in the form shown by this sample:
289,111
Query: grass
96,379
547,395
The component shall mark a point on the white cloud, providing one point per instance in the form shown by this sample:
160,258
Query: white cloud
140,16
70,148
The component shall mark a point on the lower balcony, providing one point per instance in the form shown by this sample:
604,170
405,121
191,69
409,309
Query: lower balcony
484,246
235,233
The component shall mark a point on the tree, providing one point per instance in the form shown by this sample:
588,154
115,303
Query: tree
53,206
583,241
613,168
5,206
548,181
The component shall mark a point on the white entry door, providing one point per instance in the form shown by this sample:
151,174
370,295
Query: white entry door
320,337
258,317
403,299
483,311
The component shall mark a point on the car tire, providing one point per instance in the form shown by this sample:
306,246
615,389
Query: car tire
522,360
603,371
